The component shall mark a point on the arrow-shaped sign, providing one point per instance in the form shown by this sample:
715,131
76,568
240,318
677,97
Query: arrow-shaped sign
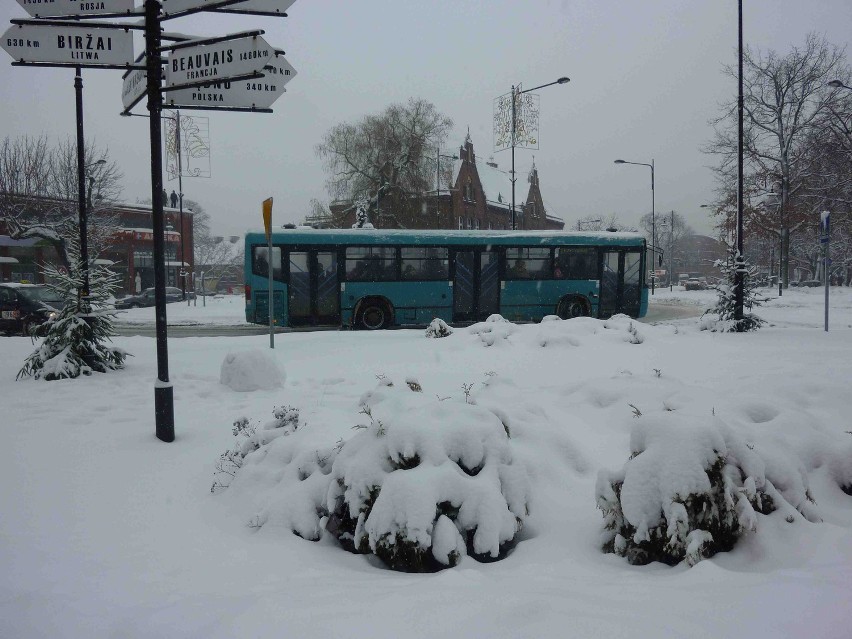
75,8
255,93
190,64
135,86
84,46
270,7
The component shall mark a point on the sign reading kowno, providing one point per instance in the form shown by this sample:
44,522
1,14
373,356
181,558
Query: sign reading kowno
255,93
73,45
220,61
61,8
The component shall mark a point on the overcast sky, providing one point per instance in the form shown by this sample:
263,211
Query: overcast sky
645,79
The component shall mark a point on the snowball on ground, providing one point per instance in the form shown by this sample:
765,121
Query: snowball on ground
245,371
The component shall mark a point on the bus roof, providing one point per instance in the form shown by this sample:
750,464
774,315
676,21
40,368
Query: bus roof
446,236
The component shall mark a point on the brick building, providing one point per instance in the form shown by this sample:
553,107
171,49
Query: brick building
476,195
130,245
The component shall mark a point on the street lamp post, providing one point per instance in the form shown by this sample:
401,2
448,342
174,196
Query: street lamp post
515,95
653,218
740,273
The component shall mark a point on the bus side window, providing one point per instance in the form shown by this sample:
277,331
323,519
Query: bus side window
576,263
260,262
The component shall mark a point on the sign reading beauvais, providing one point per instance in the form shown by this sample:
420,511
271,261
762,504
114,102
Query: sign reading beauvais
216,62
72,45
254,93
61,8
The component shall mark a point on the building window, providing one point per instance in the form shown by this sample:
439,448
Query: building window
468,191
477,224
490,226
461,222
469,223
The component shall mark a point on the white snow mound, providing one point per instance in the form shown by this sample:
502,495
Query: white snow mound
246,371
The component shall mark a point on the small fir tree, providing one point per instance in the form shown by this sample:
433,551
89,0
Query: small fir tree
74,340
725,308
362,219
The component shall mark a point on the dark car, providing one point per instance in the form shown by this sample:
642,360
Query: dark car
146,298
25,306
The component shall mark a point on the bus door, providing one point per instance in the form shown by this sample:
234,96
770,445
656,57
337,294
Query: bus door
621,283
476,284
313,293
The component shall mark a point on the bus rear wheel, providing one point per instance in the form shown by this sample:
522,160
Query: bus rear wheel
574,306
374,316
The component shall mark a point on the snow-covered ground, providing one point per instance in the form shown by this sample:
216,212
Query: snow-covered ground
219,310
108,532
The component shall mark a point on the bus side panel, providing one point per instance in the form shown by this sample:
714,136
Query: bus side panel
522,300
643,304
413,302
261,305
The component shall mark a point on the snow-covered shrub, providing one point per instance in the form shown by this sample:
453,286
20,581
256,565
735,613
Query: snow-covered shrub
74,340
493,330
723,315
285,421
426,482
687,492
246,371
438,328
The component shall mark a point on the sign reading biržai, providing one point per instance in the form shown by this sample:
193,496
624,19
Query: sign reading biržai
75,8
190,65
68,45
246,94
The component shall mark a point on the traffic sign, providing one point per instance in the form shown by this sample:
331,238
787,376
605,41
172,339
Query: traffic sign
84,46
253,93
269,7
192,65
75,8
134,88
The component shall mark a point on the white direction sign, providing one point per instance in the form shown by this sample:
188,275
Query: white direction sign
61,8
256,93
134,87
217,62
249,6
71,45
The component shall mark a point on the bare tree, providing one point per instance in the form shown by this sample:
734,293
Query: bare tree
785,98
39,192
385,159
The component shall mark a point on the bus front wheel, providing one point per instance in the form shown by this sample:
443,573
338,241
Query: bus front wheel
574,306
374,315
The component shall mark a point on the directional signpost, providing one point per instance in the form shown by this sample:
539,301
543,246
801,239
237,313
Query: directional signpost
71,45
257,94
76,8
253,7
237,72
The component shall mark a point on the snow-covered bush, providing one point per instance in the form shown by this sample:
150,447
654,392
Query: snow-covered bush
74,340
252,370
493,330
426,482
723,315
688,491
438,328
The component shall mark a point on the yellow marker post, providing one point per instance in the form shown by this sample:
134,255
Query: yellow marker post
267,225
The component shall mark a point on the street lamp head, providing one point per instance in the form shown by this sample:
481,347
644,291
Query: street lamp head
836,84
620,162
563,80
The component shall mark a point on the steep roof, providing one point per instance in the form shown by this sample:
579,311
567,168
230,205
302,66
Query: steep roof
496,184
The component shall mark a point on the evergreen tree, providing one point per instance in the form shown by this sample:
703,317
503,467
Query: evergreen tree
725,308
74,341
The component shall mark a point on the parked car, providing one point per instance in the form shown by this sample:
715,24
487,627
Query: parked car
25,306
146,298
694,284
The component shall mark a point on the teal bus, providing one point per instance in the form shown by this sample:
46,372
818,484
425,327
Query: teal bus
373,279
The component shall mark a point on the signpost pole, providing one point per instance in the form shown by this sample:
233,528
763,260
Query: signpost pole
163,391
81,187
826,271
267,225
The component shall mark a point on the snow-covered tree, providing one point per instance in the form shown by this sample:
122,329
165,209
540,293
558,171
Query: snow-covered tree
725,309
75,340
